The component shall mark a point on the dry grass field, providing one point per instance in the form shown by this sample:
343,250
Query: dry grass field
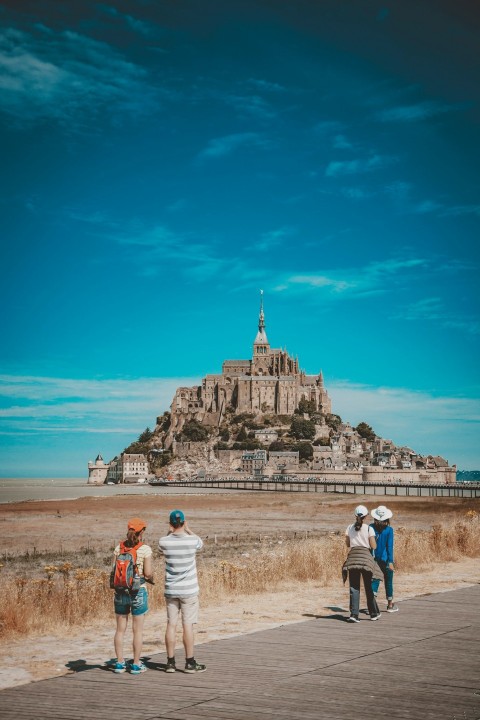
268,559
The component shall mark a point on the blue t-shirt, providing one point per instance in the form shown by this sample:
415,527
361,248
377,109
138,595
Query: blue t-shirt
384,549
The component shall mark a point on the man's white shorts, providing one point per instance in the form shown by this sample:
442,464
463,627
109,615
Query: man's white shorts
187,606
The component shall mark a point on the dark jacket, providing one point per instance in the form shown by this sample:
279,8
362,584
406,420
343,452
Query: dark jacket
360,558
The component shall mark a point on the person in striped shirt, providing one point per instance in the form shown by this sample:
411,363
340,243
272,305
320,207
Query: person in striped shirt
179,548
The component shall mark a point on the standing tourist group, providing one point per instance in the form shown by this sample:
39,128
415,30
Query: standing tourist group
370,560
132,570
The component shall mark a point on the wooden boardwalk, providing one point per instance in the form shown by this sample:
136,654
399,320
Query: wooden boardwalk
420,663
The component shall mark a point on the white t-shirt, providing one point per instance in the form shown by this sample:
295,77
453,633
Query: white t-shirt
360,538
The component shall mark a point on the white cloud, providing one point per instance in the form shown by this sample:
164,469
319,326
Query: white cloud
415,112
267,85
337,168
371,279
32,404
227,144
340,142
433,310
273,238
458,210
133,23
253,105
65,75
447,426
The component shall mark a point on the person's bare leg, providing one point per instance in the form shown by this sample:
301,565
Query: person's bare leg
137,627
188,639
119,637
170,638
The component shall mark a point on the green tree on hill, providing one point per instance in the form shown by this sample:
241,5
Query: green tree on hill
365,431
221,446
137,448
322,441
242,435
194,431
224,434
164,421
333,421
145,436
246,445
305,451
306,406
302,429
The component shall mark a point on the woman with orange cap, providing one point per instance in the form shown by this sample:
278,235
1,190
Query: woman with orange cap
133,601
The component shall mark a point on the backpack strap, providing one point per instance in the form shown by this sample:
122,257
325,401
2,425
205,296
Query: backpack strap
131,550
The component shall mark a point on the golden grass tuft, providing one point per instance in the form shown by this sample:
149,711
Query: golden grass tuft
72,597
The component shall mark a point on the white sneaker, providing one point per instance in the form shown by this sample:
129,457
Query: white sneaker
394,608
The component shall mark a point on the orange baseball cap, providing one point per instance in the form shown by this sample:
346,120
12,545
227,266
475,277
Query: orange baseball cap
136,524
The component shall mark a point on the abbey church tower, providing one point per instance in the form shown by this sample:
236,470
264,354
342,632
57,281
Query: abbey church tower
270,383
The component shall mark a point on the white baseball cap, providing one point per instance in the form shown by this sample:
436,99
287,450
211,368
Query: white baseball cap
361,510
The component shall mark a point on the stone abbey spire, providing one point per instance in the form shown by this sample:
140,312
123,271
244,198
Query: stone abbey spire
271,383
261,345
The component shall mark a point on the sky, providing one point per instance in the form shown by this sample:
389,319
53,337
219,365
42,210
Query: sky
163,161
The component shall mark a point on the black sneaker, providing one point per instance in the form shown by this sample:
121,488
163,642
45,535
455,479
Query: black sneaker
194,667
375,617
353,618
170,666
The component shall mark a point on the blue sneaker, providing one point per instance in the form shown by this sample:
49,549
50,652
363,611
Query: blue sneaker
119,667
137,669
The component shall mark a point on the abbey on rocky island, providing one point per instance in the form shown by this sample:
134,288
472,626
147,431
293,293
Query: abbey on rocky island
271,382
268,394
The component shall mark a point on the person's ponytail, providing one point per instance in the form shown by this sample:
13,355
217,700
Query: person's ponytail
358,522
132,538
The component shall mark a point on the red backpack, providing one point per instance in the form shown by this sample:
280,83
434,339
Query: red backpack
124,575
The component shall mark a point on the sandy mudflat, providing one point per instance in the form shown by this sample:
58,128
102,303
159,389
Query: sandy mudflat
229,522
216,514
19,489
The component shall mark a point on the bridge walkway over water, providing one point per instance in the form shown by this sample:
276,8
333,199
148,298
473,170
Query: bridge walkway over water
420,663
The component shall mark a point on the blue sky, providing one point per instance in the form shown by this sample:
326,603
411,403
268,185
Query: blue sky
163,161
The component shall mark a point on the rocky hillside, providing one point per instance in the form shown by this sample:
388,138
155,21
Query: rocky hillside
198,446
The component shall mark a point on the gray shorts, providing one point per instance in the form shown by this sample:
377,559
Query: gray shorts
188,607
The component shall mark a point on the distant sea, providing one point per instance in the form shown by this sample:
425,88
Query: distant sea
468,475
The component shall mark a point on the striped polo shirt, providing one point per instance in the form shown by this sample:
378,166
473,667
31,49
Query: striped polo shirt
180,565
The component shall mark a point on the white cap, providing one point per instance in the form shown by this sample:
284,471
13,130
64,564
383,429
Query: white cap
361,510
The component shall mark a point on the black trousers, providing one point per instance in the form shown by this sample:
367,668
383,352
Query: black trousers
354,577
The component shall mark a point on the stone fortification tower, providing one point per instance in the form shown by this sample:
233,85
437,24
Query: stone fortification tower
270,383
97,471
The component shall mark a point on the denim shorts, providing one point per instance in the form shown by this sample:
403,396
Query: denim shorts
125,603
